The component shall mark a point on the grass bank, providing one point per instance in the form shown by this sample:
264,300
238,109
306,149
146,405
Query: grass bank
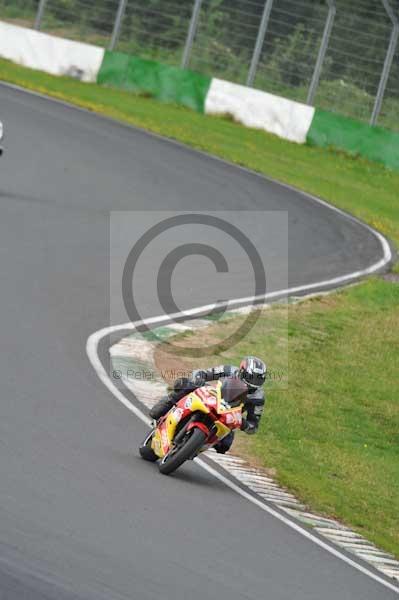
332,435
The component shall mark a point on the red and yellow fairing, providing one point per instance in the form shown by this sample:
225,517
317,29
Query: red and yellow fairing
206,400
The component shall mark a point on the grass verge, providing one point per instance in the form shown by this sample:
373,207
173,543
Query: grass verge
332,435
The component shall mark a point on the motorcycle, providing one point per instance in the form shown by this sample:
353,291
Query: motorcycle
195,423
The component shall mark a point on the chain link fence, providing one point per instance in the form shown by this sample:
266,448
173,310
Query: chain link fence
155,30
340,55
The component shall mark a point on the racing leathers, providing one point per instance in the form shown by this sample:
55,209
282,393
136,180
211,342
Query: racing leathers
253,405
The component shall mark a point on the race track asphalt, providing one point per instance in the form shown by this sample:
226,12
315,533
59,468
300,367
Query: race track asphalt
81,516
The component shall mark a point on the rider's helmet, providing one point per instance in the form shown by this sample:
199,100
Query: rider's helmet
252,372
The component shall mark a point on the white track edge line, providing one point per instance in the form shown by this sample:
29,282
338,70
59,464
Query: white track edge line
91,348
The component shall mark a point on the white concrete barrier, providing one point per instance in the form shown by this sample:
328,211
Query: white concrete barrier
254,108
51,54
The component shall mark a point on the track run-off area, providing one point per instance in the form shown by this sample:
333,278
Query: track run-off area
81,515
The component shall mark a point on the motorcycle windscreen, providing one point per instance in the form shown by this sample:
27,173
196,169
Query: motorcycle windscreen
234,392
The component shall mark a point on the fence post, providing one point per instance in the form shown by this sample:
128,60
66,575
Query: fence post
192,30
314,84
387,63
259,41
39,14
117,25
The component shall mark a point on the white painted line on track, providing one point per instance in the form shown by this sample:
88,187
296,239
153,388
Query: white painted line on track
92,352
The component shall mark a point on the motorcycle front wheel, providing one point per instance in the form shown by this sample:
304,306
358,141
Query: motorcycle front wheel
191,443
145,449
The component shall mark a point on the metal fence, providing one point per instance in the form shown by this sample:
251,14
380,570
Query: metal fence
341,55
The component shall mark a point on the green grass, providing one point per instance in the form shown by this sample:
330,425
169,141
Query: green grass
332,432
332,435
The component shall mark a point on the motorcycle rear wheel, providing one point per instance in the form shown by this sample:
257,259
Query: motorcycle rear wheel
191,444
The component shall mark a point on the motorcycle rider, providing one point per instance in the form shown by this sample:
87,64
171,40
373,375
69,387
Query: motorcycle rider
252,371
